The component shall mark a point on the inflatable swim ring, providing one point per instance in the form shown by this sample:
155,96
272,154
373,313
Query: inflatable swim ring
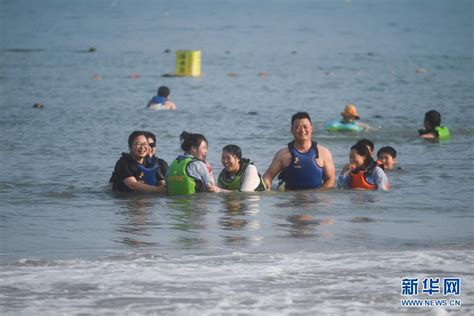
338,126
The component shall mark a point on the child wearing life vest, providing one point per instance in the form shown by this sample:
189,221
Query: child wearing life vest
433,128
362,171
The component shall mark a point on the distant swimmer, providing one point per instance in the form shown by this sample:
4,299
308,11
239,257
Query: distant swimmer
362,171
433,128
161,101
190,173
303,164
239,174
348,122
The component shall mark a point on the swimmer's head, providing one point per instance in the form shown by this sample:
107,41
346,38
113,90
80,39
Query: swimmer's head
350,112
432,119
163,91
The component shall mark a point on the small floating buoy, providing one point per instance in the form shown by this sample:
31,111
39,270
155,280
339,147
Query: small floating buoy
263,75
92,50
38,106
420,70
231,74
328,73
96,77
134,76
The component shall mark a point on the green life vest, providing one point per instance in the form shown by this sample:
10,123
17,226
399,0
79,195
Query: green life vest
235,183
443,132
178,180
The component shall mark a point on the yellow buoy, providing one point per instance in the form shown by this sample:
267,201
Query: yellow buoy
188,63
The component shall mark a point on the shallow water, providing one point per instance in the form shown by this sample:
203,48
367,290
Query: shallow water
68,246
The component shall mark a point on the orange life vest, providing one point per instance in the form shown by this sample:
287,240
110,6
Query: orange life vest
358,181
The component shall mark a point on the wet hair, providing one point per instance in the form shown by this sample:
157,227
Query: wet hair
300,116
362,150
234,150
387,150
163,91
433,118
150,135
367,143
189,140
134,135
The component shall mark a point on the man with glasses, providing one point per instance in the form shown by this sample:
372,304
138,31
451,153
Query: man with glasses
131,171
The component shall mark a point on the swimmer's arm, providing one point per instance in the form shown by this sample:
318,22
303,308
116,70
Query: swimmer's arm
380,178
346,169
343,181
428,136
250,179
329,171
134,185
364,126
169,105
275,168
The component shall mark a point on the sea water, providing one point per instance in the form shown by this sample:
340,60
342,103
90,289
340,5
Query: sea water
69,246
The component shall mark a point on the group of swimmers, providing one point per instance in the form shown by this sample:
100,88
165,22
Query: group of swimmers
301,165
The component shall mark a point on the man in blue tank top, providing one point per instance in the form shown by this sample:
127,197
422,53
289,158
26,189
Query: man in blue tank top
303,164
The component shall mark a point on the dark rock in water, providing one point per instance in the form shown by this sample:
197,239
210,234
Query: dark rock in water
92,50
294,52
362,219
252,113
378,116
38,106
171,75
23,50
167,51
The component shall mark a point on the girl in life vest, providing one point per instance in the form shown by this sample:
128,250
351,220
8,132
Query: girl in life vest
433,128
238,173
362,171
190,173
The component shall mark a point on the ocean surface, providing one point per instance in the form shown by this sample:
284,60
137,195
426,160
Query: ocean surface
68,246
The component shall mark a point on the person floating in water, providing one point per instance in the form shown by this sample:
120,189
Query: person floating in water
303,164
348,122
161,101
362,171
433,128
